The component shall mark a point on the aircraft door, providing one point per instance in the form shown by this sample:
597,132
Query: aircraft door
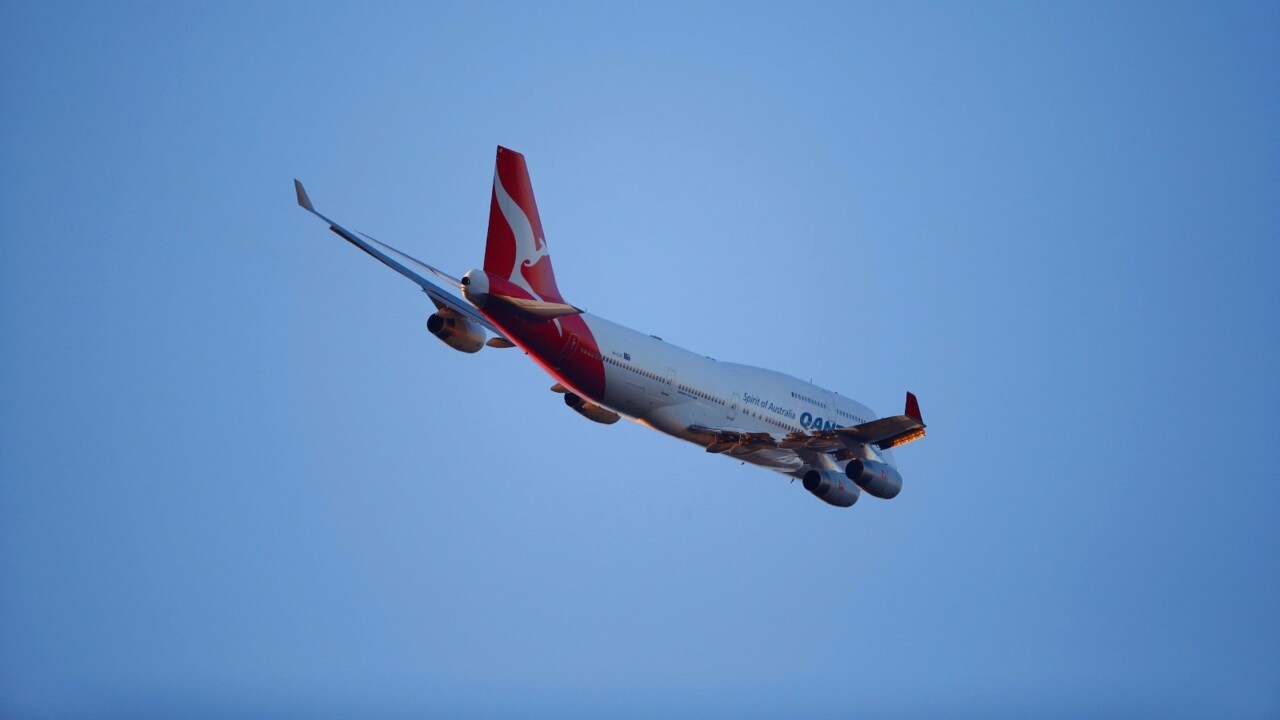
733,406
669,385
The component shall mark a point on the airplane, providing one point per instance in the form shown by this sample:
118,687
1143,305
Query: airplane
836,447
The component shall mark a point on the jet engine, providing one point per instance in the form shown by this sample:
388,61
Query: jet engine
830,488
590,411
877,478
456,331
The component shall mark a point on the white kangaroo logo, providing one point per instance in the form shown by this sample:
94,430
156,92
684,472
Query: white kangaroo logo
529,248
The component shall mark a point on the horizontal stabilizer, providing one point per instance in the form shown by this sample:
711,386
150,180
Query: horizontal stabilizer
539,309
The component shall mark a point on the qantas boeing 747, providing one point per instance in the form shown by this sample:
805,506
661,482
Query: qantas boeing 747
838,448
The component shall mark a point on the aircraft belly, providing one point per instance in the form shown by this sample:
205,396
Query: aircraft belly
780,460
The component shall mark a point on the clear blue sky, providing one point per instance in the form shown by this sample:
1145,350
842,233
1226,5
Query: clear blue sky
238,478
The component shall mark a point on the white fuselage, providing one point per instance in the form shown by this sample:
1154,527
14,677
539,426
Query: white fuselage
671,389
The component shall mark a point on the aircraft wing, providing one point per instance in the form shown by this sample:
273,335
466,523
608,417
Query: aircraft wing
406,265
890,431
882,431
885,433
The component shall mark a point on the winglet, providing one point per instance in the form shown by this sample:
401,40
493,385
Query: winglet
913,408
303,200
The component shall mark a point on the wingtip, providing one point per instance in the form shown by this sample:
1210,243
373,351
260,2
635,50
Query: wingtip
913,408
303,201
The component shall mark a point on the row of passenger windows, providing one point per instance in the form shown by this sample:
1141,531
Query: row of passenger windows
639,371
652,376
773,421
699,394
808,399
712,398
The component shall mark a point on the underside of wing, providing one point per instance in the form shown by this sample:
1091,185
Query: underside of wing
442,299
735,441
884,433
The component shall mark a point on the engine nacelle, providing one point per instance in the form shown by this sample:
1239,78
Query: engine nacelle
590,411
878,479
830,488
457,332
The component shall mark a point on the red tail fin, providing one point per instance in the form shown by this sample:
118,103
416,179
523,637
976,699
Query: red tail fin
517,249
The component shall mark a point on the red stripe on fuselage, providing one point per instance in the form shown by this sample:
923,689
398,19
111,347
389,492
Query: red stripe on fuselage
569,353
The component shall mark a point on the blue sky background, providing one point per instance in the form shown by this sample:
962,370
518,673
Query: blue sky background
239,478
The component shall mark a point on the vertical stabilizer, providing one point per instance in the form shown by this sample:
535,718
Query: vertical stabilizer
517,248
